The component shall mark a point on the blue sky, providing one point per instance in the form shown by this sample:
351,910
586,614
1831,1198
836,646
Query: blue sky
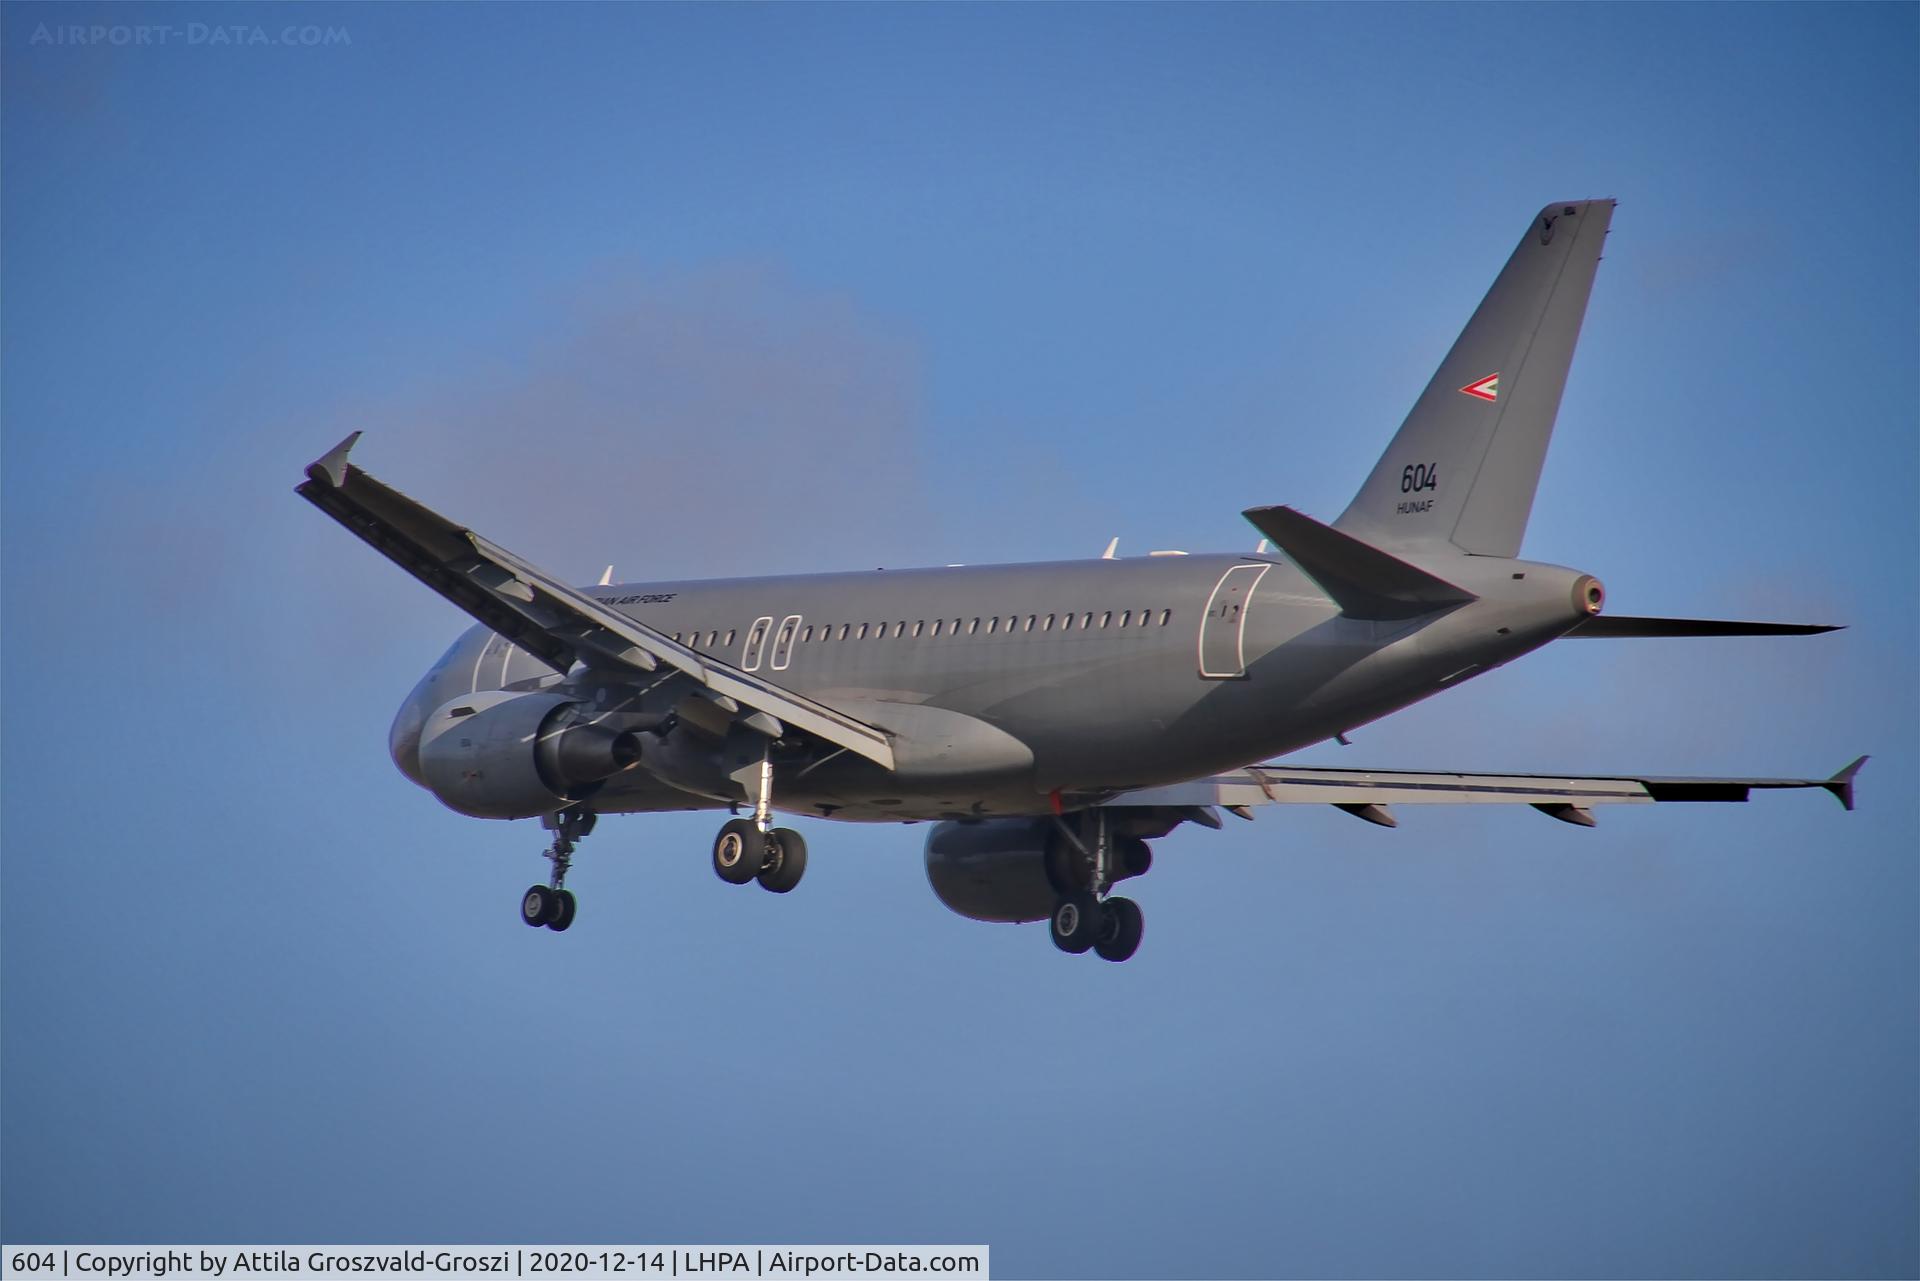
719,290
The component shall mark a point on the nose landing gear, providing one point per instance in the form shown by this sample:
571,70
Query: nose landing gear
553,905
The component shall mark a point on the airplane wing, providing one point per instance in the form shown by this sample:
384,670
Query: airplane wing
1366,793
547,618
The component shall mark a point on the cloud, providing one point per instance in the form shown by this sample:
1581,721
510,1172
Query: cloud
717,421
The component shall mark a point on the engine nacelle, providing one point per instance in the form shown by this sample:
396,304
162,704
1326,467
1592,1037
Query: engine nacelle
503,755
1015,869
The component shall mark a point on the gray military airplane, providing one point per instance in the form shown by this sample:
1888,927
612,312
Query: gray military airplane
1049,719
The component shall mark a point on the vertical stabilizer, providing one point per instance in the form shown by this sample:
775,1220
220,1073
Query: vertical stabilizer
1465,464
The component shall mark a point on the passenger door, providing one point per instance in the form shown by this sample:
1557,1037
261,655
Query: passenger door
1223,627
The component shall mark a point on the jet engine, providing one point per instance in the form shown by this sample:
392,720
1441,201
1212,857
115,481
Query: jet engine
1015,869
505,755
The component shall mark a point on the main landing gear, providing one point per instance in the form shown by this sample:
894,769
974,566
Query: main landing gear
553,905
776,857
1111,929
1086,919
751,849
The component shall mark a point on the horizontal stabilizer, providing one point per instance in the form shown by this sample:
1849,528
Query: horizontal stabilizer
1612,626
1363,580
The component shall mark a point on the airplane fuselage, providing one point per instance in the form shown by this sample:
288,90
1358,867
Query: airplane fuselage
1017,682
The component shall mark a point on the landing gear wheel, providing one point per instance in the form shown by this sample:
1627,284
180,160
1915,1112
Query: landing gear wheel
1076,923
552,905
1124,926
786,860
739,852
539,905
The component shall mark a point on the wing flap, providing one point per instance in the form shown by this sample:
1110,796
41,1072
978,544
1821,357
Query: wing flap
547,618
1355,789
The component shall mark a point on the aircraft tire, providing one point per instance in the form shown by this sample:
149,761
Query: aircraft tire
1076,923
786,860
1124,927
739,852
563,911
538,905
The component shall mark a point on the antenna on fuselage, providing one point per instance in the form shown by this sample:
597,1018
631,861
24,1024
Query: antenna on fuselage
1113,546
1261,550
606,579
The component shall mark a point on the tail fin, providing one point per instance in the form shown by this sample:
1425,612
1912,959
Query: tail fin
1465,464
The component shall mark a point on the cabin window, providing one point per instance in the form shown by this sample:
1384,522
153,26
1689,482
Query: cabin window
1066,621
993,625
729,636
862,633
676,638
806,633
1166,616
1126,617
918,624
1046,624
936,625
1106,619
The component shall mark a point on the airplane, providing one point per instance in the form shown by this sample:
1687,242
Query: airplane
1049,719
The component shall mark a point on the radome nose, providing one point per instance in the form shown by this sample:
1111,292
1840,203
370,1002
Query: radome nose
403,739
